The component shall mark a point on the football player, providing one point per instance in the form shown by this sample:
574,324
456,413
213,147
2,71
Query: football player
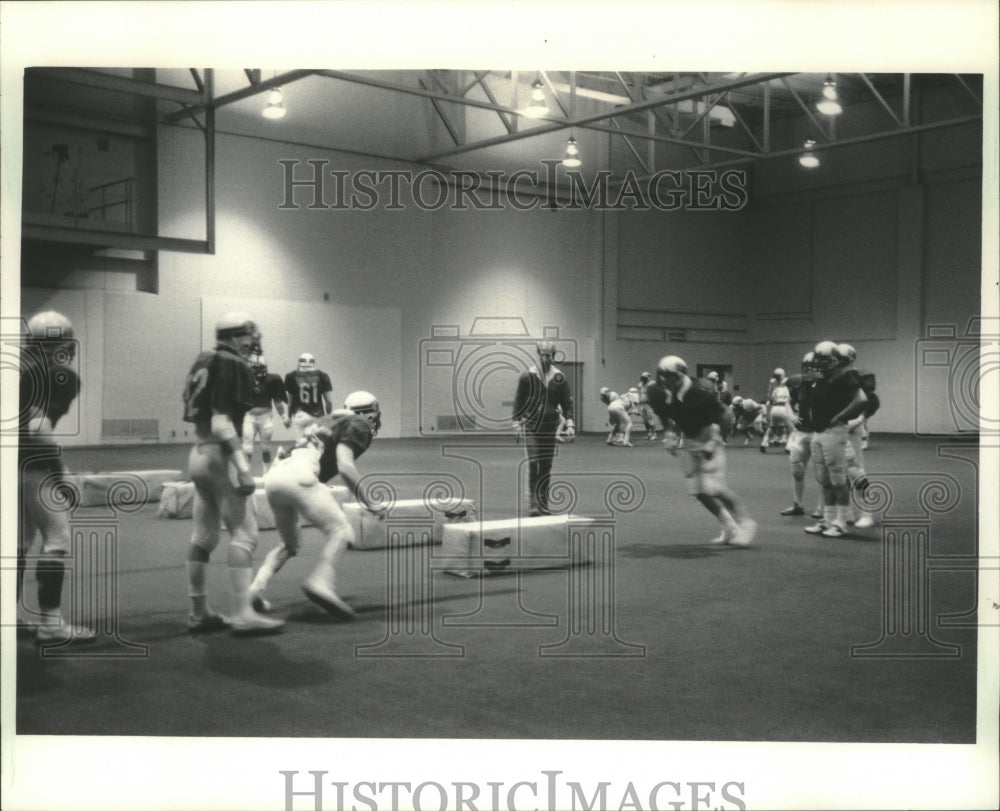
268,395
835,399
295,486
800,439
779,414
749,417
695,408
310,394
648,417
618,416
217,395
856,435
542,397
48,387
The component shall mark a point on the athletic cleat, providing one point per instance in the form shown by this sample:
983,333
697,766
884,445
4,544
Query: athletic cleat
763,449
864,522
328,601
260,604
724,537
63,633
817,514
254,624
795,509
817,529
627,445
748,529
207,624
835,530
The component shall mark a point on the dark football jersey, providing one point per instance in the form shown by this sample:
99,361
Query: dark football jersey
220,381
351,430
305,391
699,408
831,395
260,376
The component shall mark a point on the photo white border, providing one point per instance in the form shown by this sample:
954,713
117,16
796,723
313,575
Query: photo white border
163,773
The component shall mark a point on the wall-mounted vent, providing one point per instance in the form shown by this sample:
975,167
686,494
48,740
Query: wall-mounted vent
455,422
130,429
678,335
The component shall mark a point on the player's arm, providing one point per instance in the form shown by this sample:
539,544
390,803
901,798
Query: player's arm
349,473
520,405
229,440
853,409
567,405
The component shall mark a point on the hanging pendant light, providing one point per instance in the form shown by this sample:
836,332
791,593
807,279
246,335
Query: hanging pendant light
537,108
809,158
572,157
275,105
830,103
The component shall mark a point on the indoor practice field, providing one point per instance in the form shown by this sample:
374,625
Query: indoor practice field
681,639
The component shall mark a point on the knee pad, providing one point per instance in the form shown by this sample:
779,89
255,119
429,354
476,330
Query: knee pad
206,541
242,540
861,484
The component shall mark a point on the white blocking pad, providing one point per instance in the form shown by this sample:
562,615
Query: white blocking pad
177,501
514,544
124,485
411,521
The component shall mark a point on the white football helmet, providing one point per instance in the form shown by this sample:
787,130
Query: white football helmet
669,370
713,376
53,333
737,401
238,330
849,353
366,405
826,356
644,376
778,374
604,394
307,362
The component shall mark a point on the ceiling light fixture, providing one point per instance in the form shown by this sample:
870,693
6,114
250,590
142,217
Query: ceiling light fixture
829,104
275,106
808,158
538,107
572,158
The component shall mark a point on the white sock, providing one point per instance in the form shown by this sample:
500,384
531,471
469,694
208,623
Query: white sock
239,582
272,564
197,577
830,515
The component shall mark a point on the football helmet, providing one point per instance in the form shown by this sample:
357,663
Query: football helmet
737,402
53,333
604,394
713,376
307,362
826,356
366,405
669,370
238,330
644,376
849,353
778,374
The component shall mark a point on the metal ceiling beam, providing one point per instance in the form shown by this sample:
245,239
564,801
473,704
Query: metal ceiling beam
121,84
443,116
860,139
880,99
254,90
587,120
